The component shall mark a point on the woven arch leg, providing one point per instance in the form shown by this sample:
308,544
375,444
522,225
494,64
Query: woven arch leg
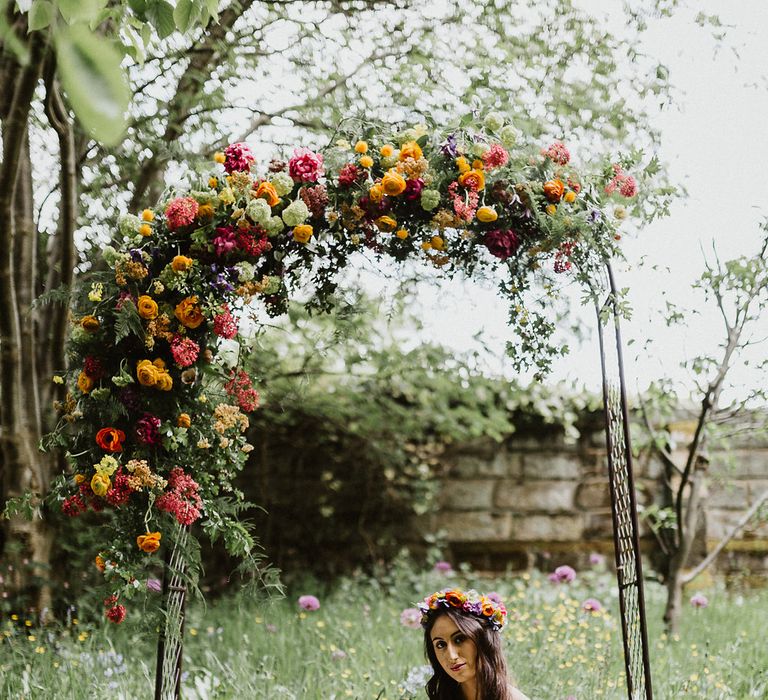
626,539
170,641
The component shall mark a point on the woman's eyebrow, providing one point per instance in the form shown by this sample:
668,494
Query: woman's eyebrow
434,639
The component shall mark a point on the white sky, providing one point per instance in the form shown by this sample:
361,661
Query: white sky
714,141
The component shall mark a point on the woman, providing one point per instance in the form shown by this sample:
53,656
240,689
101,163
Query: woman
463,645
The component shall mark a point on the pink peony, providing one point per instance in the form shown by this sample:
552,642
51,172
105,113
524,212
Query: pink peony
238,158
305,165
495,157
562,574
502,243
308,602
181,212
184,350
411,618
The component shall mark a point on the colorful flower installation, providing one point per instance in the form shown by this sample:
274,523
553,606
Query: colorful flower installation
155,420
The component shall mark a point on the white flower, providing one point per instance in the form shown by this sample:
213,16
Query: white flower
259,211
494,121
274,226
508,135
296,213
282,182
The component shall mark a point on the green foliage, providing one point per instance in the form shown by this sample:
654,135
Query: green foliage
354,421
127,320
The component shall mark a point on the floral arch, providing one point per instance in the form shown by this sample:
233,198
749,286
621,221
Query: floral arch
154,419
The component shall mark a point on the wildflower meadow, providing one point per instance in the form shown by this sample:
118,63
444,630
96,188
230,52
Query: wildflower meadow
362,639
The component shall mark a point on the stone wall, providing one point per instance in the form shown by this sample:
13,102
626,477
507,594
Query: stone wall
535,500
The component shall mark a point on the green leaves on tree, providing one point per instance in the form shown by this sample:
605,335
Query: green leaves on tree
89,67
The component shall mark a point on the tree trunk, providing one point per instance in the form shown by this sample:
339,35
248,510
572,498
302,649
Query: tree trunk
674,604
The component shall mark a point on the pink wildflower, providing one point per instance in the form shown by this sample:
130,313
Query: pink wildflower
308,602
411,618
699,600
305,165
240,387
557,152
184,350
495,157
443,567
238,157
596,559
562,574
591,605
181,212
154,584
224,324
628,188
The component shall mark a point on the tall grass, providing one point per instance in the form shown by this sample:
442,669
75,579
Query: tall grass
355,646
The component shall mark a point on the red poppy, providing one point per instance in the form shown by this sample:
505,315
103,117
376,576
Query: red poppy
110,439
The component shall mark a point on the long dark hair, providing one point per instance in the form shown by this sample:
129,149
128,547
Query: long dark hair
492,681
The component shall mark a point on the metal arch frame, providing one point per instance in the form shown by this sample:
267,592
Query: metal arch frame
626,540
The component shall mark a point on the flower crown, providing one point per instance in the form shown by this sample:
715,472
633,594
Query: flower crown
488,608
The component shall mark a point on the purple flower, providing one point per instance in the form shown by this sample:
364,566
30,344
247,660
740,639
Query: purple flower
154,584
448,148
591,605
596,559
411,618
413,189
130,398
699,600
338,654
594,216
495,597
271,628
148,429
562,574
308,602
502,244
443,567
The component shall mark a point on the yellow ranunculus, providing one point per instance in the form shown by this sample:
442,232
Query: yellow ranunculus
375,193
462,164
145,230
205,213
149,543
386,223
366,162
164,381
267,191
100,484
302,233
411,149
393,183
401,233
213,182
188,313
184,421
570,197
478,165
551,209
219,157
147,307
437,243
90,323
181,263
361,147
487,214
147,373
84,383
387,150
473,180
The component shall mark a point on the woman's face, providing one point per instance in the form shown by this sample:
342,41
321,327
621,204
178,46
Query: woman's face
456,653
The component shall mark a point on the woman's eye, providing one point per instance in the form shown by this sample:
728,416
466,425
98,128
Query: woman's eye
458,639
440,645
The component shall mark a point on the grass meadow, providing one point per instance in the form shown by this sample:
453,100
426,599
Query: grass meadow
355,645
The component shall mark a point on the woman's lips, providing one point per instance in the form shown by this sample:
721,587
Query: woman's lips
457,667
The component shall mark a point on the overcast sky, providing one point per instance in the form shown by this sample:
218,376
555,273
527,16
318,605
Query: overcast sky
714,142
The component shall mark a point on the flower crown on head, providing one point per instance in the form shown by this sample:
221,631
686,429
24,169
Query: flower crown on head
485,607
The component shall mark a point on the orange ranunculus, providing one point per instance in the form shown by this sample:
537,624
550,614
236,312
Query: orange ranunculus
570,197
147,373
375,193
302,233
100,484
188,312
159,362
149,543
164,382
553,189
455,598
100,563
473,180
266,190
361,147
184,421
487,214
488,609
387,150
84,383
366,162
386,223
411,149
90,323
147,307
181,263
79,478
147,215
393,183
110,439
